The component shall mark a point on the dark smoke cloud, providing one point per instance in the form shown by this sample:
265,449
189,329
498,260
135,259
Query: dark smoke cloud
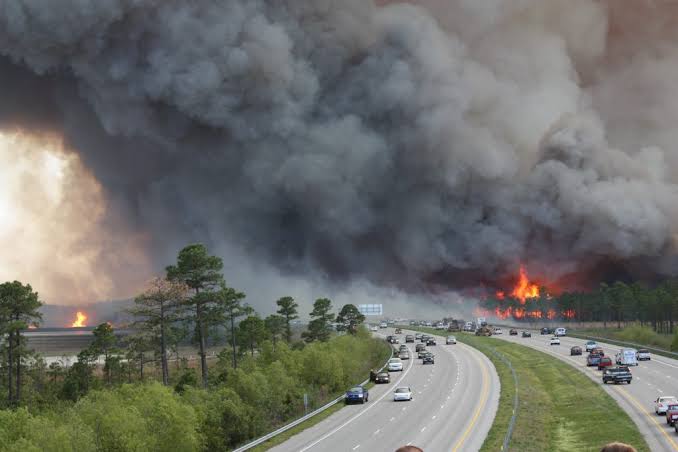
436,143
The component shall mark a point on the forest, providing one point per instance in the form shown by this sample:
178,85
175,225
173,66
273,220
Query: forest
136,393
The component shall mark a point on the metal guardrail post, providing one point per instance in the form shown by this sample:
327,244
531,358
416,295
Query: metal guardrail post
293,424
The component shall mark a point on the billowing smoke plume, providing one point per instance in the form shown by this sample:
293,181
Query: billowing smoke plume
435,143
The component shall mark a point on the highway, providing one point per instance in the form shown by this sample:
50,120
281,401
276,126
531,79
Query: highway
651,379
453,407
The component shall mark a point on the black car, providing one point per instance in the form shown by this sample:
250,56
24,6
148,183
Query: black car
617,375
431,341
428,359
409,338
356,394
424,338
388,338
576,350
513,332
545,331
382,377
423,352
527,334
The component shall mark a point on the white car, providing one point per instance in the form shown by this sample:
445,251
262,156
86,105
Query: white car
374,328
395,365
497,331
451,340
555,341
662,403
590,345
561,332
402,393
643,355
383,325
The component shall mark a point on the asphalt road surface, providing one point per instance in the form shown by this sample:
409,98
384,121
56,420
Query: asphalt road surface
453,407
651,379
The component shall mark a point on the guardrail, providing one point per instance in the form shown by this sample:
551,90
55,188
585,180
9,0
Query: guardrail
293,424
514,415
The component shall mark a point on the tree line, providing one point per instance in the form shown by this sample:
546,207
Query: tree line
253,379
617,304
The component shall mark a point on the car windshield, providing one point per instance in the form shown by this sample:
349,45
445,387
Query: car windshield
356,389
643,351
673,407
394,360
402,390
382,374
667,399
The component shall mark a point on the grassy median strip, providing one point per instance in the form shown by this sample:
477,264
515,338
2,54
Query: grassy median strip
560,408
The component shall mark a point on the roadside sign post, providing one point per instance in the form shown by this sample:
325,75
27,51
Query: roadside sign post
305,403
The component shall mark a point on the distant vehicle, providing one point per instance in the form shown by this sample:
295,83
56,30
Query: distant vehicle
598,351
604,362
413,323
527,334
450,340
544,331
617,375
561,332
404,354
402,393
425,338
403,347
576,350
390,322
513,332
395,365
593,359
672,414
663,402
428,324
383,325
497,331
374,328
590,345
409,338
422,353
382,377
428,359
356,394
643,355
627,357
483,331
398,331
431,341
554,341
417,336
481,321
419,347
388,338
440,326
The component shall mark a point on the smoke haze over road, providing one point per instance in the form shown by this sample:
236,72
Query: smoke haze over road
424,145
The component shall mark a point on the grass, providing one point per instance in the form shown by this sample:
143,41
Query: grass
635,334
560,408
281,438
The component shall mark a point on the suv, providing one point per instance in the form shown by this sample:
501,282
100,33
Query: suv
409,338
356,394
643,354
617,375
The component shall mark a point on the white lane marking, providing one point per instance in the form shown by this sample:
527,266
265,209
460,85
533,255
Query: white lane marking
392,419
356,447
441,406
665,363
423,428
324,437
376,431
433,417
404,408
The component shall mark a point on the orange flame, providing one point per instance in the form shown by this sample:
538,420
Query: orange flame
81,318
524,289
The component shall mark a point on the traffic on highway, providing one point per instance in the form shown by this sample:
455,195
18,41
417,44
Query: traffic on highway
437,395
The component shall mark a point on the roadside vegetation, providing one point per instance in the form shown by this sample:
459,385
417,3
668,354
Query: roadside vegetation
560,408
125,395
635,334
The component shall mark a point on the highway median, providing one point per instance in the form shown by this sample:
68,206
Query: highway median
559,409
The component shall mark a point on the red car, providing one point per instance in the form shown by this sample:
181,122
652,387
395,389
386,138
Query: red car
672,414
604,362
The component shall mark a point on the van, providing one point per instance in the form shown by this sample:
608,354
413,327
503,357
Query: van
561,331
626,357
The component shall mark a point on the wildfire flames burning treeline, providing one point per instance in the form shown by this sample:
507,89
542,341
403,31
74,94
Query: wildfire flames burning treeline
80,320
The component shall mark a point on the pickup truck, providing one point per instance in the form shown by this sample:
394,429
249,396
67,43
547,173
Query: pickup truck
617,375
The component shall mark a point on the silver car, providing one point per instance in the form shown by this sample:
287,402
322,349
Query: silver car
402,393
450,340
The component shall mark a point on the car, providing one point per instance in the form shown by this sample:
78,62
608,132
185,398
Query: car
576,350
643,354
424,338
382,377
417,336
419,347
604,362
497,331
544,331
593,359
598,351
450,340
428,359
431,341
389,338
395,365
409,338
383,325
554,341
403,348
560,332
402,393
663,402
422,353
405,354
590,345
617,375
527,334
513,332
374,328
356,394
398,331
672,414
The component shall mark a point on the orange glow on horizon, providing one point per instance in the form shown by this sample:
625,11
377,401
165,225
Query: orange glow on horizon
80,320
